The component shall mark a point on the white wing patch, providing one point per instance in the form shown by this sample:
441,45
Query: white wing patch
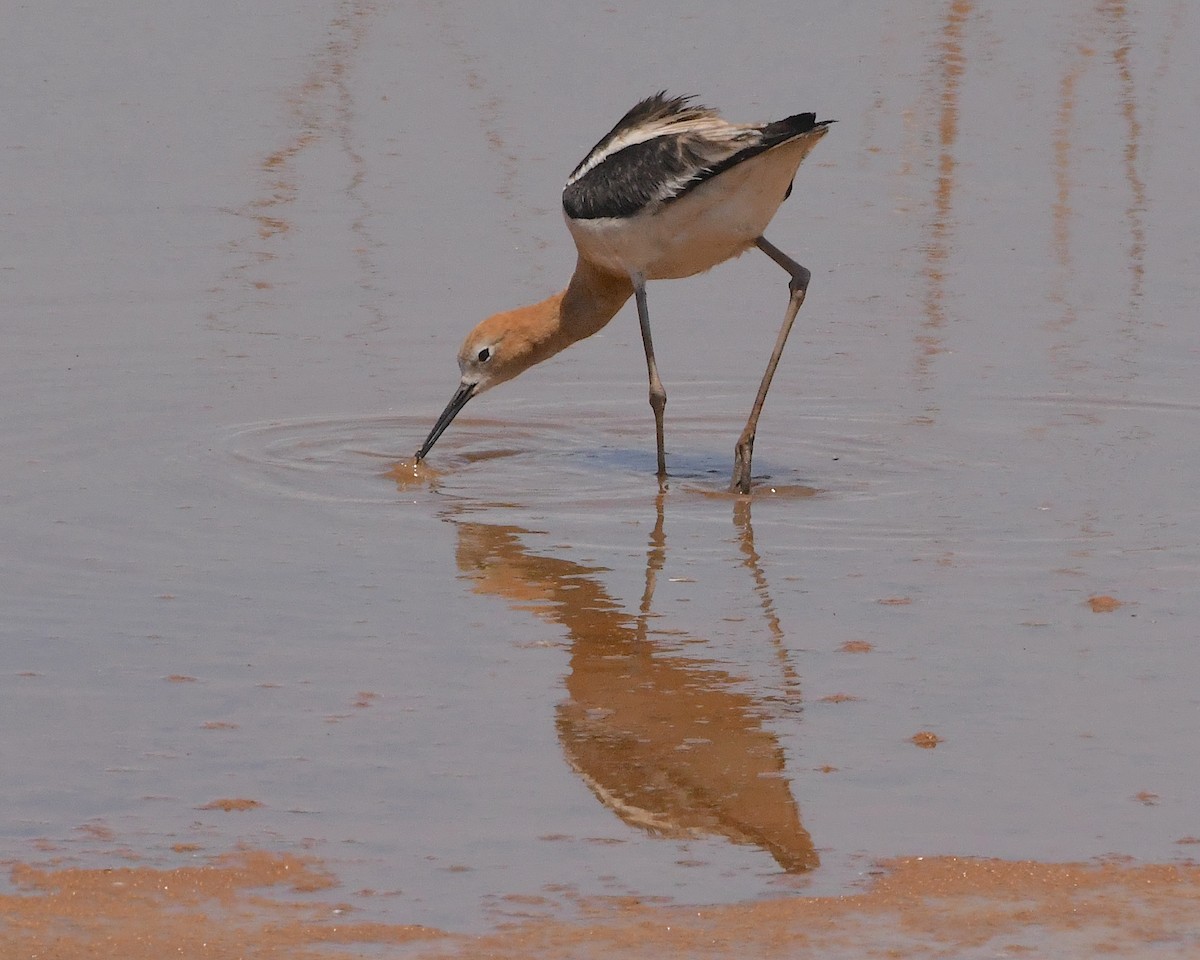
710,136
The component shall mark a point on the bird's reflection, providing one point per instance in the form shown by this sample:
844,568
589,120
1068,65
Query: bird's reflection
671,743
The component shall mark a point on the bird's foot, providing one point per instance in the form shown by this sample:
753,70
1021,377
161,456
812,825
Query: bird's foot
742,453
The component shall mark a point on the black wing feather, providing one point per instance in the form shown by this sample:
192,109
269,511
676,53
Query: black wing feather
629,179
633,178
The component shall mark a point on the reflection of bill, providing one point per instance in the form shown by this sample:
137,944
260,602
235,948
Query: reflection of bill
670,743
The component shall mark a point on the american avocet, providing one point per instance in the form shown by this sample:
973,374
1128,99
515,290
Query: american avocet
671,191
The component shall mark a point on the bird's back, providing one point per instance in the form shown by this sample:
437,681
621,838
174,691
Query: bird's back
664,148
673,189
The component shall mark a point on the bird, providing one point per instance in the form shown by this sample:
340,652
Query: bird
672,190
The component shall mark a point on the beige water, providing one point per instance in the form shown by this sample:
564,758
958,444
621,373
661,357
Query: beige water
240,252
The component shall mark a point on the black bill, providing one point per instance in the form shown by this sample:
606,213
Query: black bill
464,393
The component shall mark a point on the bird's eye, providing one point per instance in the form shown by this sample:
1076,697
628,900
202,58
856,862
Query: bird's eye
484,355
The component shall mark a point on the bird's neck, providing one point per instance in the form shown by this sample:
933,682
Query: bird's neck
591,299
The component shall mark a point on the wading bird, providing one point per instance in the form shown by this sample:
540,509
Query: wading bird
671,191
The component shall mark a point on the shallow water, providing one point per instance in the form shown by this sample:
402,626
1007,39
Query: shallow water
235,281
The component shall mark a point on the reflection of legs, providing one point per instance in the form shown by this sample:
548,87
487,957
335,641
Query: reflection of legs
753,562
658,395
656,557
797,286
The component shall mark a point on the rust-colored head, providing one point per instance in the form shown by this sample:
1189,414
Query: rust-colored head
498,349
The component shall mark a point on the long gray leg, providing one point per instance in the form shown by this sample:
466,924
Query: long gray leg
797,287
658,395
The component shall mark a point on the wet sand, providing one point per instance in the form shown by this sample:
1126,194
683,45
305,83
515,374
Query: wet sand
237,905
263,678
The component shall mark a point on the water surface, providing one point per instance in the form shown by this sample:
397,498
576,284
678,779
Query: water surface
241,254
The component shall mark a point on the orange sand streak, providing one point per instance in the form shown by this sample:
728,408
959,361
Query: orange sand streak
917,907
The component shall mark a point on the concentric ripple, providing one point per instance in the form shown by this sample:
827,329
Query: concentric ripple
593,460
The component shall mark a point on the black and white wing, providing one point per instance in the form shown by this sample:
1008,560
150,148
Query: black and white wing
660,150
